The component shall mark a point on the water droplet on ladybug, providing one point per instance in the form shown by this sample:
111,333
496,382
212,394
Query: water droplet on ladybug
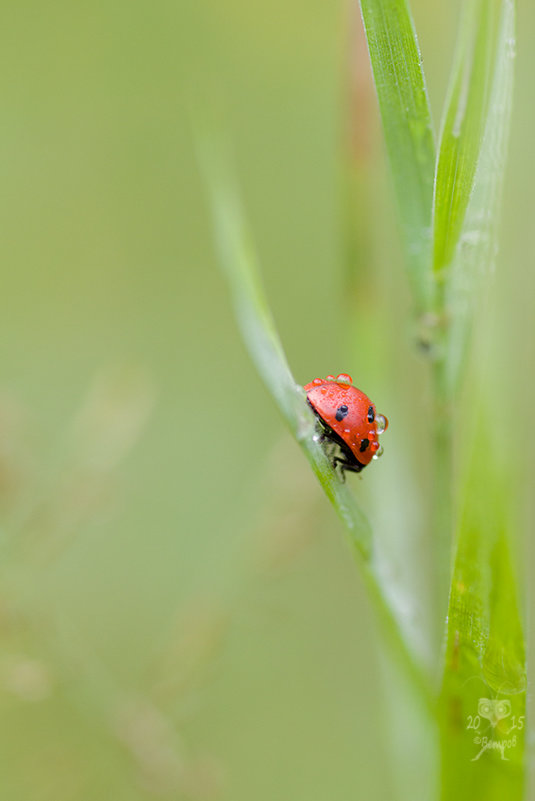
344,378
379,452
381,422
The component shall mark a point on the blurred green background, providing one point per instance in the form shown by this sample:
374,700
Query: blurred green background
180,616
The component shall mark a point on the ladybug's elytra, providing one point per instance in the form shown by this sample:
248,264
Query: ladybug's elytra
348,419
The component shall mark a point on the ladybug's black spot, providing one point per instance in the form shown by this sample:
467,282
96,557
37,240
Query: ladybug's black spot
341,412
371,415
364,444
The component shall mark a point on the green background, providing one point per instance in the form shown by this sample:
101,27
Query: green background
180,616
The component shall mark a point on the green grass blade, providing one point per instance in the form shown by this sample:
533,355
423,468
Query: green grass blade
463,127
402,96
470,170
259,333
485,652
239,262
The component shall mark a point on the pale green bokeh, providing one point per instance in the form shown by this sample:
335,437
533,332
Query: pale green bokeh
180,615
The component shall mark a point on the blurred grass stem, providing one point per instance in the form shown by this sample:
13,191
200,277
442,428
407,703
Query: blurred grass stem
442,496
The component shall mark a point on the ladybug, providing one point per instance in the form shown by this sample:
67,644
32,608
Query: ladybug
348,420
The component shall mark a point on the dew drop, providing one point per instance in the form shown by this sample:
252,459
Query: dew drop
344,378
330,378
379,452
381,422
317,381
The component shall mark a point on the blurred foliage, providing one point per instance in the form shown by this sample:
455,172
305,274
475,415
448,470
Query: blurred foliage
178,619
483,697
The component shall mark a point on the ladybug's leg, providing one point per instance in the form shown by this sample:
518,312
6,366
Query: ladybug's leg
345,465
339,463
329,446
324,437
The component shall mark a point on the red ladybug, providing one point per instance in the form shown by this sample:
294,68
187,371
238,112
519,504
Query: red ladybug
348,419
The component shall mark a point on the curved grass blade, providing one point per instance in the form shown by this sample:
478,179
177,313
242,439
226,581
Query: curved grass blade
239,263
408,131
484,687
261,339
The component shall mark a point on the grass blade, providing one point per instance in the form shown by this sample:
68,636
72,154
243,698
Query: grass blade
462,130
470,170
238,259
259,333
484,687
402,96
